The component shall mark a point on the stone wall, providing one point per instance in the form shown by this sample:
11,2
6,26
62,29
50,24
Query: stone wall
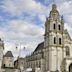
10,70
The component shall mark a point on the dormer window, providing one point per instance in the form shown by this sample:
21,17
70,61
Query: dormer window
54,26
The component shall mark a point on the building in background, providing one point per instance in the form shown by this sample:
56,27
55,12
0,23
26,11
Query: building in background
8,63
20,64
8,60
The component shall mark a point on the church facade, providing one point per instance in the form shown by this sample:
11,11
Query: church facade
55,53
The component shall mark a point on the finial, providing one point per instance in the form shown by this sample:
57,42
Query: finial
54,7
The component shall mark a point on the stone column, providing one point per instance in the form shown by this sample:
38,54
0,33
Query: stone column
42,65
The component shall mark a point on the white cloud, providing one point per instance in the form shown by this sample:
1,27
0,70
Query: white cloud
17,7
25,27
42,17
69,29
68,19
65,7
20,31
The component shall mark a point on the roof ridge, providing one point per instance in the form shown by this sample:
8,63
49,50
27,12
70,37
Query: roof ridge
8,54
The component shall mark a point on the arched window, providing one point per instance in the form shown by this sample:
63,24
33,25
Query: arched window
59,27
67,51
54,26
59,40
54,40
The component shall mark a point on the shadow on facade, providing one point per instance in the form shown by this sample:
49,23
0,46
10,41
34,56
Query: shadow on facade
70,67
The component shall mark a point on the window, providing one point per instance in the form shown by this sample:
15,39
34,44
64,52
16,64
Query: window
67,51
54,26
59,40
59,27
54,40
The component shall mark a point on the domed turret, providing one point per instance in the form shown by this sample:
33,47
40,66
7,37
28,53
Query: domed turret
54,14
54,7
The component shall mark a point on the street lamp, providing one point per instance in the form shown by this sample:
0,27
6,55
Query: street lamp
20,67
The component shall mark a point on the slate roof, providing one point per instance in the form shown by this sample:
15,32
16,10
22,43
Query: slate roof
8,54
40,46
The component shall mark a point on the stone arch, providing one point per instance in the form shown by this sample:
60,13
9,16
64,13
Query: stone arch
70,67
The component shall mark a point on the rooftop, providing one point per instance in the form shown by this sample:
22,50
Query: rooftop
8,54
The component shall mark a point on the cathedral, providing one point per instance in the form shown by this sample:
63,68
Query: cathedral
55,53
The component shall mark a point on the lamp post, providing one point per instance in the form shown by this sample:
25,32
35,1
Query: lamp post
20,66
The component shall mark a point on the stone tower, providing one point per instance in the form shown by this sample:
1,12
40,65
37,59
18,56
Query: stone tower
1,52
54,27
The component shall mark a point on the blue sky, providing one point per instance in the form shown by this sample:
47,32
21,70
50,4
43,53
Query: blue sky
22,22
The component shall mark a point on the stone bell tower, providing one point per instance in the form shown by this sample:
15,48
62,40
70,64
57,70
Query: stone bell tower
54,27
